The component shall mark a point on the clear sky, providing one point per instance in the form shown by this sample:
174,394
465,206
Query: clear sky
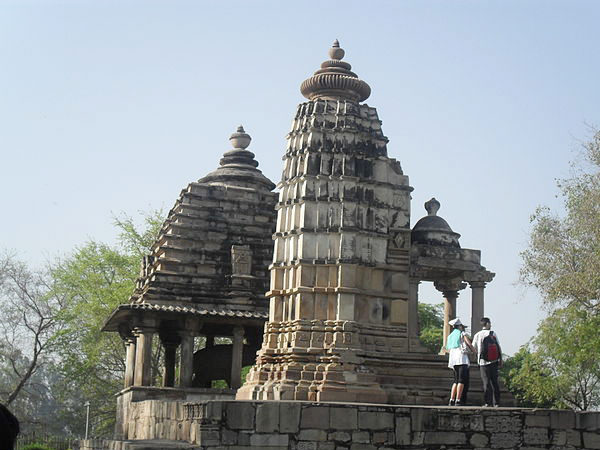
114,106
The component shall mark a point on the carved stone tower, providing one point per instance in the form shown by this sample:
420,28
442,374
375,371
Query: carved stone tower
340,273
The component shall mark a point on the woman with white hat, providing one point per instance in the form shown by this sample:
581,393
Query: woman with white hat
458,345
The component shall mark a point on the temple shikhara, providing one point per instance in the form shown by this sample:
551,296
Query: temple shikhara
314,284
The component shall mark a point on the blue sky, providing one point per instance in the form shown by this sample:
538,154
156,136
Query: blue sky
114,106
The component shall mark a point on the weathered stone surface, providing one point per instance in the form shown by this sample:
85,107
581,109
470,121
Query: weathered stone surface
289,420
361,437
375,420
479,440
343,418
591,440
536,436
315,417
340,436
312,435
537,419
267,417
562,419
240,416
403,431
269,440
504,440
446,437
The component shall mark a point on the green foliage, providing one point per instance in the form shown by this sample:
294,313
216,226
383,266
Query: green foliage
431,321
94,280
562,261
36,446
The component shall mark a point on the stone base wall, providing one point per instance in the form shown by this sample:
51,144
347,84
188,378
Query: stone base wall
292,425
158,413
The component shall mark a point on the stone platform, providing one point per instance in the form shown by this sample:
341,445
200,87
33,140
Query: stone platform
293,425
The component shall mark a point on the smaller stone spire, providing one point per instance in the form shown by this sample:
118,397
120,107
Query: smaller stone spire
432,207
238,166
334,80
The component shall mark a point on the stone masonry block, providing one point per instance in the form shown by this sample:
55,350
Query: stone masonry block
312,435
240,416
315,417
537,419
361,437
343,418
562,419
229,437
340,436
505,440
423,419
591,440
588,421
375,420
289,417
382,437
574,438
269,440
445,437
402,430
306,446
267,417
363,447
479,440
536,436
326,446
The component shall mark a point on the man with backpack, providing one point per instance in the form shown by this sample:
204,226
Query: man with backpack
489,356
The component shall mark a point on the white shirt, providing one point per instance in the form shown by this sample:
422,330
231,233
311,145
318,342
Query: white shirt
458,356
478,344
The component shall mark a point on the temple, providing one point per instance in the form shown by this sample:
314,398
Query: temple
343,322
314,288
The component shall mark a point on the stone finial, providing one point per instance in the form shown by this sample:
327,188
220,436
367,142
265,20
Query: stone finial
240,139
335,52
432,207
335,81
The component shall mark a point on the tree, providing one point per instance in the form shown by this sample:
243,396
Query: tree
94,280
30,313
431,323
562,261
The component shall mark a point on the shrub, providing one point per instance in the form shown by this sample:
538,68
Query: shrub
36,446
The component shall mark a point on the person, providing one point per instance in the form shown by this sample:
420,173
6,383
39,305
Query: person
458,345
489,357
9,428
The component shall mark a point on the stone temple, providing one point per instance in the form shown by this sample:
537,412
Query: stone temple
316,288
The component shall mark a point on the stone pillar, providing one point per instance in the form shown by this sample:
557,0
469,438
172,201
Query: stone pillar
477,308
413,309
170,344
449,314
143,357
186,370
236,357
129,361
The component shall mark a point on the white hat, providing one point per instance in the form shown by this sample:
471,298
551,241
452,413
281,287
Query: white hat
455,322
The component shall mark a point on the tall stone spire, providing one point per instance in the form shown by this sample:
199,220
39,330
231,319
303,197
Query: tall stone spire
339,278
334,80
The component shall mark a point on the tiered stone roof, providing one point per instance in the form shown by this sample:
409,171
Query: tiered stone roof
219,225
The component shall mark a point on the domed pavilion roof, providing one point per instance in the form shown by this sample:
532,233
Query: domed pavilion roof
433,229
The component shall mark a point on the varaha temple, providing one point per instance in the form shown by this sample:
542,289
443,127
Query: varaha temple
316,287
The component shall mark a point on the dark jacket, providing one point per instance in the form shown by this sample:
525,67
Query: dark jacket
9,428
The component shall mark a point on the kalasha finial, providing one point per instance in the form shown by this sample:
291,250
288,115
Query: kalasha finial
335,80
335,52
240,139
432,207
